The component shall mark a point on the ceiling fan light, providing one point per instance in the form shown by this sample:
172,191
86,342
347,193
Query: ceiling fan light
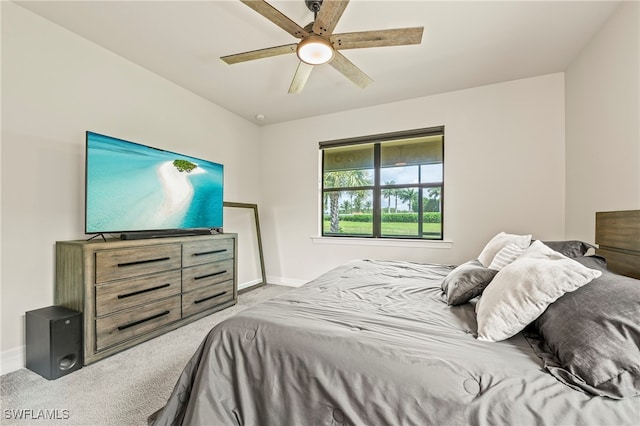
315,50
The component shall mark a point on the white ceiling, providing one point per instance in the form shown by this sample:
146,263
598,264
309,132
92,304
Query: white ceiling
465,44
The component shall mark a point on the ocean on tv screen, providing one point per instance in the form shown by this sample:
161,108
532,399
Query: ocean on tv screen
133,187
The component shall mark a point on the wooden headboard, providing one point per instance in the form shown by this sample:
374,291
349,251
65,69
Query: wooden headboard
618,238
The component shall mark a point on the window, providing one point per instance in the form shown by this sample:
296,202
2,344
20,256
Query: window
384,186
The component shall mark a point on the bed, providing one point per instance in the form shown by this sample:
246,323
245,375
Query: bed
382,342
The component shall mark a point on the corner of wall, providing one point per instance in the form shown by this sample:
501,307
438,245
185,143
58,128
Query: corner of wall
602,133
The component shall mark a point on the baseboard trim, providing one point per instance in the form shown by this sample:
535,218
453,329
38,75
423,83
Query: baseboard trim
286,281
12,360
249,284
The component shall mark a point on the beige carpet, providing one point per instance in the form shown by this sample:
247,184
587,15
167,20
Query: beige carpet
120,390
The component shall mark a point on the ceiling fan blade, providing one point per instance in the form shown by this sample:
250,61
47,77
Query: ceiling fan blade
349,70
393,37
260,53
328,17
277,17
300,78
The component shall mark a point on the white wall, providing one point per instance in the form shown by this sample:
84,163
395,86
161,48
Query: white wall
603,123
504,171
56,85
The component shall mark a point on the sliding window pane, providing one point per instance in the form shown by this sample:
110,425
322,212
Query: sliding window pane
432,213
431,173
348,213
399,212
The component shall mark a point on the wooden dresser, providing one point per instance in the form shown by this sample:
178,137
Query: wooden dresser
133,290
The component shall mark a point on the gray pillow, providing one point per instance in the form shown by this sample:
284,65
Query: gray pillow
570,248
466,281
590,338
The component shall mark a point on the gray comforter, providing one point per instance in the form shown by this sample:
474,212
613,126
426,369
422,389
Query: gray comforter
373,343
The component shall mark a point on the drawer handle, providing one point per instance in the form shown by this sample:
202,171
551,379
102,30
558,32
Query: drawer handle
210,275
141,262
146,290
209,252
132,324
210,297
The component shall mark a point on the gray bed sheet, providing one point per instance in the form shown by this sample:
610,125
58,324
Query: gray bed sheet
373,343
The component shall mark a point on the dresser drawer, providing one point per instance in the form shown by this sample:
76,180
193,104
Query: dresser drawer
203,299
131,262
205,275
118,295
199,252
119,327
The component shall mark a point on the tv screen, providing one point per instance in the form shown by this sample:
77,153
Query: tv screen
132,187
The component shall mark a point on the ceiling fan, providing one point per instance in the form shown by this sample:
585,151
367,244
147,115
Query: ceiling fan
318,44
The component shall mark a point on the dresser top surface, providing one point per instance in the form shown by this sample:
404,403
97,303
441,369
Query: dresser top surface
116,242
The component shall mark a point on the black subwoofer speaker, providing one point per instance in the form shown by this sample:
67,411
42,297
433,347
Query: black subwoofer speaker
54,341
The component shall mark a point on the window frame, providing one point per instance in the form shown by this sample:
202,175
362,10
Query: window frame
377,187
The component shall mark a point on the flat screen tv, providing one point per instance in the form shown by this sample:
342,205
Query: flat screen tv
134,189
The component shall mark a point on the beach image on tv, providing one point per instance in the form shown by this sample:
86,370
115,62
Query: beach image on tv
133,187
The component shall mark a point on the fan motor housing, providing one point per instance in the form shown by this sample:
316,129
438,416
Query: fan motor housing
313,5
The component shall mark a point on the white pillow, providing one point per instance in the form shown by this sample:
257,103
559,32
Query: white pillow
521,291
507,255
498,242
